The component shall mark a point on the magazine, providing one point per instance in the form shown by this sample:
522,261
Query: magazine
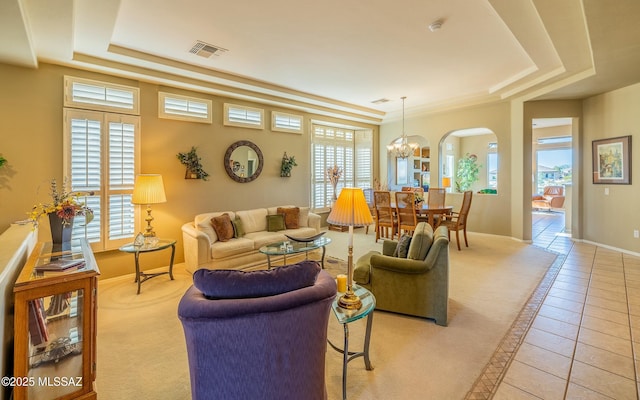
60,265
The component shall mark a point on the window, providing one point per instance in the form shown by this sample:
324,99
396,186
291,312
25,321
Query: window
282,122
350,150
247,117
173,106
95,95
100,156
492,165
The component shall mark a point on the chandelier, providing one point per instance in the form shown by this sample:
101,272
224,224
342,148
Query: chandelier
402,149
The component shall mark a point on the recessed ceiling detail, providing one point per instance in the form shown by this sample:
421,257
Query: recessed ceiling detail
206,50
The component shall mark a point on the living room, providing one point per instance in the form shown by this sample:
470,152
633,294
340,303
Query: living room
32,120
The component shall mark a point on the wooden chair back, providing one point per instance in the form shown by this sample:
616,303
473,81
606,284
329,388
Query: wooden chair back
406,211
437,197
383,213
464,209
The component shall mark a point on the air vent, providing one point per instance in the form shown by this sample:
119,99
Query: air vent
206,50
380,101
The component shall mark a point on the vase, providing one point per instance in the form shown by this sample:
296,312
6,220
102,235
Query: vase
60,233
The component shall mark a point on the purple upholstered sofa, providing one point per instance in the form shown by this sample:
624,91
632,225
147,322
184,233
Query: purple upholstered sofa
258,335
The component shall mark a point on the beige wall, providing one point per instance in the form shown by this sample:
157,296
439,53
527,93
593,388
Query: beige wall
31,139
487,211
612,218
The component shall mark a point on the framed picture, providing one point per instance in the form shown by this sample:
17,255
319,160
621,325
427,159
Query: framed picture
402,177
612,161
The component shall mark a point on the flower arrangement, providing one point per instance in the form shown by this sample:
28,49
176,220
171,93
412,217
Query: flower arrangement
64,204
418,198
287,165
334,174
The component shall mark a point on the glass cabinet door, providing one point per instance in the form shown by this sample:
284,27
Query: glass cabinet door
55,337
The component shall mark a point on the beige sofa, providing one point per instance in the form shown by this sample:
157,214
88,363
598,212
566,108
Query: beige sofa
202,249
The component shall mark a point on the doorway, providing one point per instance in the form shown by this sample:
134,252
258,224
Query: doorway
552,175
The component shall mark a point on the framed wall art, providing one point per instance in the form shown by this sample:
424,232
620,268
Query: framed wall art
611,160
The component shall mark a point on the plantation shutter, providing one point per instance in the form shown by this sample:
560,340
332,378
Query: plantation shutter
101,158
331,146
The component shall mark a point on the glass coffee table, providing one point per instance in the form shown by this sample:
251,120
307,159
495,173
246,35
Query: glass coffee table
290,247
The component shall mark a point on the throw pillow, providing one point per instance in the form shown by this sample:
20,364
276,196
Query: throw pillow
291,216
234,284
403,246
421,243
223,227
238,228
275,223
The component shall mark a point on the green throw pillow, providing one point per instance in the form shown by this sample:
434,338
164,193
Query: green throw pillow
403,246
238,228
275,222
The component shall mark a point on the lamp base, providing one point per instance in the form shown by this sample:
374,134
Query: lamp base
349,301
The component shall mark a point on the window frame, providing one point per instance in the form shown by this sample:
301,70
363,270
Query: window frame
351,170
103,114
275,115
100,105
186,115
228,121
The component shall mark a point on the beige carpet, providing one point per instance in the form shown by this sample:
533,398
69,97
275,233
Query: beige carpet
141,350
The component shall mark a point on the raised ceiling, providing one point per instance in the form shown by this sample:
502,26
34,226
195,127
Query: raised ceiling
334,57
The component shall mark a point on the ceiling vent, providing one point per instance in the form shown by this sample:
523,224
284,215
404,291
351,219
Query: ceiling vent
206,50
380,101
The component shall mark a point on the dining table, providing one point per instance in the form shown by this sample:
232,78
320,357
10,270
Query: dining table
424,210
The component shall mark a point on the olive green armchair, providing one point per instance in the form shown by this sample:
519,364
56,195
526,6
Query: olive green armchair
417,285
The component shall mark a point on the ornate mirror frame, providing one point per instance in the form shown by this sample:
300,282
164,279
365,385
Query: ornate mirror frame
227,161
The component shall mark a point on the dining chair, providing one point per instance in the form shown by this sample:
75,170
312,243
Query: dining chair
413,189
406,212
457,221
384,217
436,200
368,195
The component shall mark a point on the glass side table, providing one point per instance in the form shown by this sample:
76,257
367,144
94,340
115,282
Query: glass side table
148,248
345,317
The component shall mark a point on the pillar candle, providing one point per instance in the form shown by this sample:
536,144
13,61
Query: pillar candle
342,283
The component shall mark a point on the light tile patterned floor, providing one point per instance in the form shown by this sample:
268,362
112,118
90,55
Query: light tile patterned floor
578,335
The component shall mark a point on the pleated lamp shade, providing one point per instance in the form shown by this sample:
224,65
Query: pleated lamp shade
351,209
148,189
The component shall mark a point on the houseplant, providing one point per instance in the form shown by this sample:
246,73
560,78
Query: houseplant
467,172
62,209
287,165
191,160
3,161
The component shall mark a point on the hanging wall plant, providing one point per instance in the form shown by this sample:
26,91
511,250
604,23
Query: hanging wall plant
287,165
467,173
192,162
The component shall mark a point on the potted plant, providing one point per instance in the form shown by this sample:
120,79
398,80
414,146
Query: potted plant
467,173
287,165
3,161
192,162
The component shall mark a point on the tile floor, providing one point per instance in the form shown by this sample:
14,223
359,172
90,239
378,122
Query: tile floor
578,335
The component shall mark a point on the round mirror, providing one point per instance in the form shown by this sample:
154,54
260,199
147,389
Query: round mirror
243,161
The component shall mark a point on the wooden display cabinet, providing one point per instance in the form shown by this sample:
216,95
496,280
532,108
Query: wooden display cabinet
55,324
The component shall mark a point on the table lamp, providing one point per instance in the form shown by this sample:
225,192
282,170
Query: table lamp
351,209
148,189
446,182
